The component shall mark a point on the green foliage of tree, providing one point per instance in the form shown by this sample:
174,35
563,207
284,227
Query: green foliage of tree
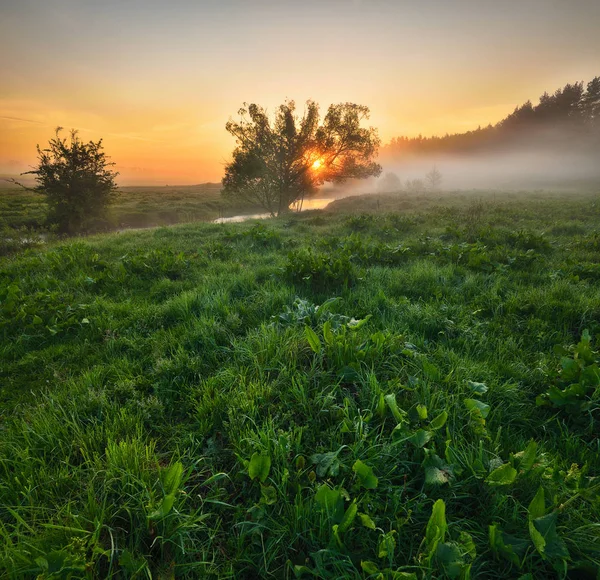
590,102
278,161
77,180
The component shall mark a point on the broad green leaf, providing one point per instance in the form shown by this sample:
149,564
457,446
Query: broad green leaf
348,518
399,414
330,501
369,567
422,412
421,437
326,306
503,475
527,459
172,478
537,538
449,557
436,476
313,339
37,320
164,508
590,376
327,333
583,350
508,547
537,507
337,536
475,406
365,475
53,562
439,421
465,541
477,388
431,371
366,521
554,547
436,527
327,464
268,494
259,467
300,571
387,545
356,324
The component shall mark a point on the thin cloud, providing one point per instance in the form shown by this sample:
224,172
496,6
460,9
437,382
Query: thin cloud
21,119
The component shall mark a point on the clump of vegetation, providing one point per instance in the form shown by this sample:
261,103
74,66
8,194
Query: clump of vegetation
577,382
321,270
273,400
77,180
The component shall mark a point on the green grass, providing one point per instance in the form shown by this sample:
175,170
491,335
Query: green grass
23,213
173,403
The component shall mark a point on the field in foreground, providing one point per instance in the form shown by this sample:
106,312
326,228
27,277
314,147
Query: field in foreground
329,395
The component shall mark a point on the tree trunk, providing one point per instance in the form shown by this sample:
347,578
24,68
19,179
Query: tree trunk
284,204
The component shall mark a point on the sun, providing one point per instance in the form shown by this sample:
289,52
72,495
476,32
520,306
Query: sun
317,164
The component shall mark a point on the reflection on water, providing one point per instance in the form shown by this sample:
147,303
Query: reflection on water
315,203
241,218
307,204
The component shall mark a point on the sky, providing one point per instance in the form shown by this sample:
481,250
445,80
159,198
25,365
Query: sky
157,80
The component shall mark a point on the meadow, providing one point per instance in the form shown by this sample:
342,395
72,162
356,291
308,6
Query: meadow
401,387
23,212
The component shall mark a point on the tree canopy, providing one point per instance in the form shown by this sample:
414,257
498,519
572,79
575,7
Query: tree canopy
77,180
276,162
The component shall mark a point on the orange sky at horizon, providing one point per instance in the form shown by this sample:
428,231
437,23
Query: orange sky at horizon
157,82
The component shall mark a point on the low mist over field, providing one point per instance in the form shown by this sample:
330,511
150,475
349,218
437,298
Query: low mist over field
522,169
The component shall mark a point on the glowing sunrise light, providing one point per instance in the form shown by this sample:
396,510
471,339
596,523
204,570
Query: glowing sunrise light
317,164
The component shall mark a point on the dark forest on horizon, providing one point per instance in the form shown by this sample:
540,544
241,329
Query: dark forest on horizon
568,118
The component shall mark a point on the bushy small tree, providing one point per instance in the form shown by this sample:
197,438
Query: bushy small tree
389,183
434,179
77,180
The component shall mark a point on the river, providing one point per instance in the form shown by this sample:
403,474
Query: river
307,204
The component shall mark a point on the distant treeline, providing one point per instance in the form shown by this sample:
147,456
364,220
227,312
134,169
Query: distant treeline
568,118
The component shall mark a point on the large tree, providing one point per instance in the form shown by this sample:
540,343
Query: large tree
77,180
278,161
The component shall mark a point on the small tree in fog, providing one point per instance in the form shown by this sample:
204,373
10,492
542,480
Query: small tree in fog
389,183
77,181
415,185
278,161
433,179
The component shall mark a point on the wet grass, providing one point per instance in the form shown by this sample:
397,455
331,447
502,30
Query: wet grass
173,403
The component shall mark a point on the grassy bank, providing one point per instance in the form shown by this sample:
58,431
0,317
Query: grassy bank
327,394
